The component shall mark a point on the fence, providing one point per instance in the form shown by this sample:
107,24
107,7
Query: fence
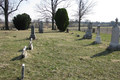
105,28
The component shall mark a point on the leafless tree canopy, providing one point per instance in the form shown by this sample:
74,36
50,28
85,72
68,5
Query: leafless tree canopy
12,5
84,8
7,7
47,9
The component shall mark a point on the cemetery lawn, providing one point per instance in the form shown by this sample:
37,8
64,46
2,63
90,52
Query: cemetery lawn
57,56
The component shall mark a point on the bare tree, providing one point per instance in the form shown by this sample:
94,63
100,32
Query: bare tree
47,9
84,8
7,8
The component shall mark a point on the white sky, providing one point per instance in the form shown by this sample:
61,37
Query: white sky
104,11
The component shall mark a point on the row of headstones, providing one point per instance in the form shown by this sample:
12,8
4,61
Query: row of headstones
33,32
30,47
24,55
114,45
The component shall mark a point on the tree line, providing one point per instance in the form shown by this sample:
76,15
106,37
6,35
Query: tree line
47,9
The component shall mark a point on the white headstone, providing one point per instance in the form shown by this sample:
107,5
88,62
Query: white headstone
24,52
98,39
88,34
115,35
30,46
114,45
23,71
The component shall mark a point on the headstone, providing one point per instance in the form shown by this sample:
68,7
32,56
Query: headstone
98,39
88,34
32,33
23,71
114,45
67,31
41,27
93,30
30,46
78,35
24,53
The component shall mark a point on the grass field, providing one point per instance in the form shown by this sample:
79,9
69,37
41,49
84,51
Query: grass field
57,56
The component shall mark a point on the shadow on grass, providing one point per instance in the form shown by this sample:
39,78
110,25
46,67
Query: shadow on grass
104,53
18,78
80,39
17,58
20,50
52,31
93,43
23,39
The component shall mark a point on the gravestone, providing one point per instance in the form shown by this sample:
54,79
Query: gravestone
32,33
93,30
67,31
114,45
41,27
23,71
88,34
98,39
30,46
24,53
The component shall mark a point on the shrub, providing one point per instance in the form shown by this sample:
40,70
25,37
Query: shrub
61,19
22,21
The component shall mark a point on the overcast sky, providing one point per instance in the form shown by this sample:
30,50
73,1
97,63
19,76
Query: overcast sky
104,11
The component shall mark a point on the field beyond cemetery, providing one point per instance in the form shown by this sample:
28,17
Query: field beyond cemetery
57,56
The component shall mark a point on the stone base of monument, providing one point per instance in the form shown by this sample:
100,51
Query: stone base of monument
97,40
114,48
87,36
40,31
32,36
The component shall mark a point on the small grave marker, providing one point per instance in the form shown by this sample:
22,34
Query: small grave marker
98,39
23,71
88,34
24,53
30,46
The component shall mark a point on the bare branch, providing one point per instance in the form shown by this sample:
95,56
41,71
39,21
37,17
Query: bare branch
1,4
15,8
83,9
47,9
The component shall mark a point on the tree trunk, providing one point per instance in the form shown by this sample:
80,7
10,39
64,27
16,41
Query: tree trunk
6,14
79,25
6,21
52,14
52,23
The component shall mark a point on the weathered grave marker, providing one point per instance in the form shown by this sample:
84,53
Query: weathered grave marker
67,31
88,34
32,33
30,46
93,30
41,27
98,39
23,71
24,53
114,45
